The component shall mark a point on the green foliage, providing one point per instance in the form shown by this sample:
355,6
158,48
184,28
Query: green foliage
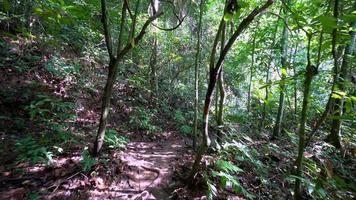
60,67
142,119
227,166
87,161
212,191
182,122
186,129
113,140
226,172
34,195
45,106
28,150
178,117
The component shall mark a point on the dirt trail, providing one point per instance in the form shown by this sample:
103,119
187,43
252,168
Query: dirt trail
145,170
149,168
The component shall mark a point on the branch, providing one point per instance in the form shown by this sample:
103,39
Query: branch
129,45
243,25
126,4
180,20
104,20
173,28
280,17
122,23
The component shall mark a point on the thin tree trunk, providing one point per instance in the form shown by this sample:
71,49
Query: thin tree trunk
220,120
153,67
251,72
196,76
264,113
310,72
113,66
265,100
284,51
212,81
295,83
334,136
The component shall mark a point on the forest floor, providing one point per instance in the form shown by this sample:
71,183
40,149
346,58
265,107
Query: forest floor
146,167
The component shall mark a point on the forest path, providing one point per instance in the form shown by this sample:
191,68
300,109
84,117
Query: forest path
149,167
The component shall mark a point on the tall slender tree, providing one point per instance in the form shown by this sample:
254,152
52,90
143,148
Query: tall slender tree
196,74
284,51
310,72
114,63
213,76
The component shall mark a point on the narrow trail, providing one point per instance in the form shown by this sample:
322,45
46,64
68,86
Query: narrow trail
148,168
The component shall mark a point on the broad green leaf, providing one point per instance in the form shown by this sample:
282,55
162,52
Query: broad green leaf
227,166
328,22
349,18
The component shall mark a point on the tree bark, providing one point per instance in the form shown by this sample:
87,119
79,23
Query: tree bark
212,81
284,51
264,113
220,117
310,72
153,69
196,76
334,136
113,66
251,72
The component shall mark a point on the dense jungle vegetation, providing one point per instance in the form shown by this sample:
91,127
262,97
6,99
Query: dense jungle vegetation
177,99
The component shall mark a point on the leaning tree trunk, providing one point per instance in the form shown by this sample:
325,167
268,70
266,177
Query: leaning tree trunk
113,66
213,75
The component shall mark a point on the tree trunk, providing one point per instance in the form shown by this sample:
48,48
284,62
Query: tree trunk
105,107
264,113
220,117
196,76
251,72
336,106
265,100
295,95
284,51
153,69
113,65
212,81
334,136
310,72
